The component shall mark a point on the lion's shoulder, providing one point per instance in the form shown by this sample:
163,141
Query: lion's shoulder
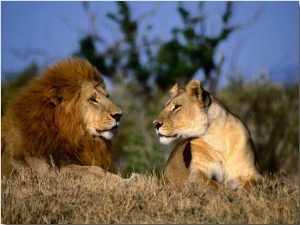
177,166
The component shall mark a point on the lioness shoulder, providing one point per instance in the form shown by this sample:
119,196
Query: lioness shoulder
221,147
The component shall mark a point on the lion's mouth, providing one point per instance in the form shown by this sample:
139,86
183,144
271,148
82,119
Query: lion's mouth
167,139
113,130
107,133
167,136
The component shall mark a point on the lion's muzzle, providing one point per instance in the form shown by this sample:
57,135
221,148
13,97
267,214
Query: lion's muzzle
116,116
157,125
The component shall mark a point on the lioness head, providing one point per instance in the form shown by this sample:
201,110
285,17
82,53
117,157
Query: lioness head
79,96
185,114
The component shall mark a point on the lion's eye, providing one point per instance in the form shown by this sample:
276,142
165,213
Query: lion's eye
93,99
176,107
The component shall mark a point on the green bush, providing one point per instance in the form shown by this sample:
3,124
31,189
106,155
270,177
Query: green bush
136,146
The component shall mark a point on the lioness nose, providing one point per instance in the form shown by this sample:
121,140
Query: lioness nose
116,116
157,125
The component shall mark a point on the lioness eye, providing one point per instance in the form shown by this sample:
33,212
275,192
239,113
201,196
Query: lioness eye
176,107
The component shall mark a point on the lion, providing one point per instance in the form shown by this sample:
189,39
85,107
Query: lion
62,122
217,147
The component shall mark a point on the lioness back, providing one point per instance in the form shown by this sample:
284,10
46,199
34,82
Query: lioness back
222,150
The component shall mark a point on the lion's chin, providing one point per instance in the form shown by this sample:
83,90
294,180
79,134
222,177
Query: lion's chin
106,134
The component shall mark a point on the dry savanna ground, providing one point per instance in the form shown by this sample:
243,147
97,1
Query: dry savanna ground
29,198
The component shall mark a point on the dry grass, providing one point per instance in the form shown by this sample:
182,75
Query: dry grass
29,198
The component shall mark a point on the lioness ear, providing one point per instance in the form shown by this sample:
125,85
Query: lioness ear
175,90
194,88
54,97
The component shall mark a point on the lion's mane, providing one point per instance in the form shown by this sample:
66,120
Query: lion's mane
52,130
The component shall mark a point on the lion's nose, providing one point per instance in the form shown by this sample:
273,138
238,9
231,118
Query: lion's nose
116,116
157,125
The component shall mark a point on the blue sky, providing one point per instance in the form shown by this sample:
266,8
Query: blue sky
54,28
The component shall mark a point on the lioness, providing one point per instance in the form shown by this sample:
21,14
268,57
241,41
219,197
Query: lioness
219,144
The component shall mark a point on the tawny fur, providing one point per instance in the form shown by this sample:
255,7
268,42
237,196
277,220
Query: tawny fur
219,144
54,123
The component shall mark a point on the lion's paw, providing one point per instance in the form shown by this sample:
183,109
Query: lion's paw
135,177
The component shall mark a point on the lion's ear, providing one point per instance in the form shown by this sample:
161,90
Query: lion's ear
194,88
54,97
175,90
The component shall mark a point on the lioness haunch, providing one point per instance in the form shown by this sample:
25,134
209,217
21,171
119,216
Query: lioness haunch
217,147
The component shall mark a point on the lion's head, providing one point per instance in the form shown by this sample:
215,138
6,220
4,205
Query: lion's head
100,116
63,115
77,89
67,104
185,114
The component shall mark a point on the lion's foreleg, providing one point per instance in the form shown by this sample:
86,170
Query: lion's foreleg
40,165
93,172
204,171
199,177
37,164
249,183
201,170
